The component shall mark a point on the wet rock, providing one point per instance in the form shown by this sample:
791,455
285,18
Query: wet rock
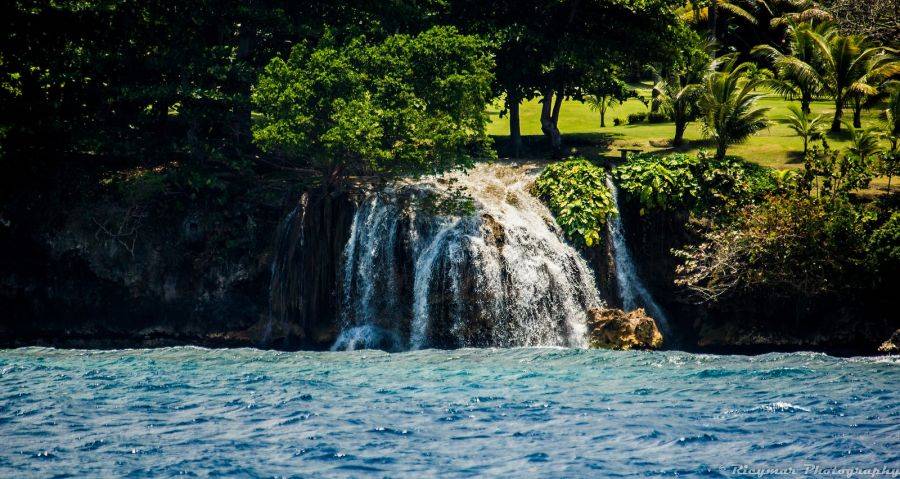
892,345
495,232
617,329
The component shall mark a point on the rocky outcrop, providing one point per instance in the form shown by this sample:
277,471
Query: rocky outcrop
90,267
616,329
892,345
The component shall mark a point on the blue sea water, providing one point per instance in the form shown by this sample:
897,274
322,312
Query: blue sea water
466,413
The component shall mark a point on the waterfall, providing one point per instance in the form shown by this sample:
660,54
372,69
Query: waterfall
290,238
502,276
631,288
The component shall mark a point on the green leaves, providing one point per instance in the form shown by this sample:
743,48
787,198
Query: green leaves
731,113
705,185
408,105
576,192
665,182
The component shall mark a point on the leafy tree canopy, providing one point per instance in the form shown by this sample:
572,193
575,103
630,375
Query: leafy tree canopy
409,104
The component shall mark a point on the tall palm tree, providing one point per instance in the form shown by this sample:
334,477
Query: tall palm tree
877,79
729,105
793,80
846,66
808,128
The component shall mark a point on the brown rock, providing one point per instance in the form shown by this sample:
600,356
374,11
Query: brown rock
892,345
616,329
494,230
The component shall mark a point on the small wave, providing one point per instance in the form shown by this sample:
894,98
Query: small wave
781,406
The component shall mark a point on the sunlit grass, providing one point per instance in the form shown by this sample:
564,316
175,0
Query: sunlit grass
776,147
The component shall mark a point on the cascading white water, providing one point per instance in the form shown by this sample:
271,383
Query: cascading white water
500,277
631,288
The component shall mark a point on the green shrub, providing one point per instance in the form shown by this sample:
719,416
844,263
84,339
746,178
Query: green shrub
576,193
786,245
660,182
636,118
884,247
656,117
617,121
703,184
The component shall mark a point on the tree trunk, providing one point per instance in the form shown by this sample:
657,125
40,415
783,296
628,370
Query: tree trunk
857,112
603,113
838,114
680,126
557,105
515,126
712,17
805,100
549,117
721,148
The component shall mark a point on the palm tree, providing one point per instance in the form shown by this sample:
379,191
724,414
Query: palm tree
875,77
805,127
678,100
847,67
794,80
863,142
763,21
601,104
729,105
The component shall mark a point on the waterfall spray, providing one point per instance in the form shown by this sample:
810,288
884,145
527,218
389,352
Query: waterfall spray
502,276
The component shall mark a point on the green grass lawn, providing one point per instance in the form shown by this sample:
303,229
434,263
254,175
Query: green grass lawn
776,147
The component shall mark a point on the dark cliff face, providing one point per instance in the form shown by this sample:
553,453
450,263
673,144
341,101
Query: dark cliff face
305,294
96,269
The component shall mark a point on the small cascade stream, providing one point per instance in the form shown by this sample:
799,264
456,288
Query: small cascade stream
631,288
502,276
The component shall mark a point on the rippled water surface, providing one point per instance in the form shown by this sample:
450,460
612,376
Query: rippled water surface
519,412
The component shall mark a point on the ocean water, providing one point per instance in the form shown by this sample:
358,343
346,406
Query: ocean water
466,413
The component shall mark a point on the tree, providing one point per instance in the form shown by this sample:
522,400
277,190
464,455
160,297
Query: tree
889,161
889,165
678,100
764,21
680,89
804,126
793,80
892,118
863,142
550,50
407,105
729,106
874,19
877,78
606,89
846,66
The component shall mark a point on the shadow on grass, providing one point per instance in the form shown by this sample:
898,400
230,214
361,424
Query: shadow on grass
794,158
589,145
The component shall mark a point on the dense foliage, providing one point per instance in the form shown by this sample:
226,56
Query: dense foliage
576,192
803,237
407,105
790,245
705,185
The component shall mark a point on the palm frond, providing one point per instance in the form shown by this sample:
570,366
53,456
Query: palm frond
738,11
